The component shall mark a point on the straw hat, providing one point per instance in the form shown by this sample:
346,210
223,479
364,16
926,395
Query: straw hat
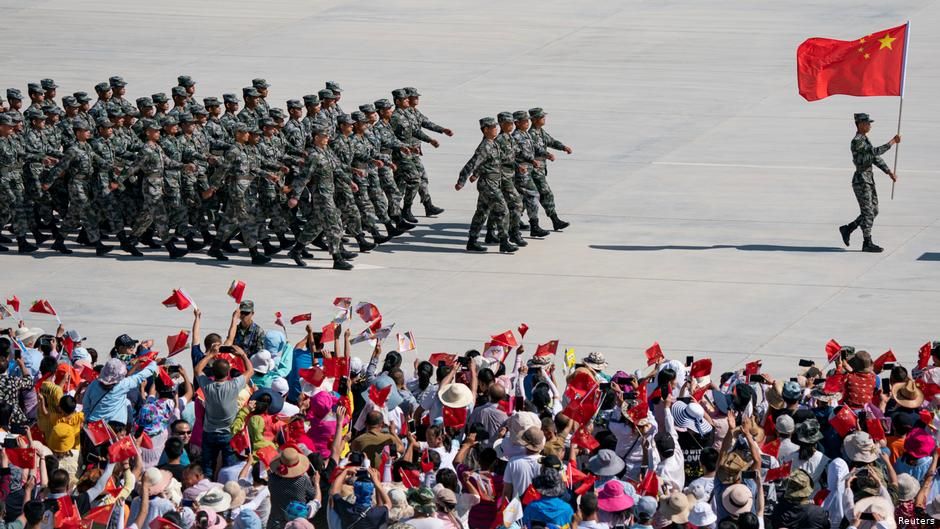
908,487
157,480
233,489
290,463
877,505
455,395
215,500
860,448
907,394
676,507
737,499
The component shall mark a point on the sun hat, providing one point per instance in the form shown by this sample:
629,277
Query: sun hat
596,361
907,394
394,396
819,393
690,417
785,425
675,507
532,439
919,443
702,514
878,505
25,334
520,422
908,487
290,463
792,390
808,431
280,385
799,486
860,448
730,468
157,480
455,395
645,508
216,521
421,500
696,492
399,510
233,489
445,497
549,483
612,497
605,463
262,361
113,372
737,499
774,395
277,401
215,500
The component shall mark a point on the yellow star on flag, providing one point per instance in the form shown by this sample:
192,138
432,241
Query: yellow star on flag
867,55
886,42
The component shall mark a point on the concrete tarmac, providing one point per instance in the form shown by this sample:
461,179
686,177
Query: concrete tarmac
704,193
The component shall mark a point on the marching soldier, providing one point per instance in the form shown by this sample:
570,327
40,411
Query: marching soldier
348,185
251,113
106,186
864,155
526,163
508,168
13,207
15,98
408,174
230,118
36,95
262,87
414,98
49,91
389,144
100,109
118,89
543,141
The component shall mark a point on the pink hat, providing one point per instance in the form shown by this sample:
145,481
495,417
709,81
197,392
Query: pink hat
216,521
321,404
612,497
919,443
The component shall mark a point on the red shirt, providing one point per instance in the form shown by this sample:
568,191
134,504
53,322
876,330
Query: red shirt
859,389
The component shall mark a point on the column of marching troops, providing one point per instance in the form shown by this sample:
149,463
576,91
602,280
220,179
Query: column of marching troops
171,169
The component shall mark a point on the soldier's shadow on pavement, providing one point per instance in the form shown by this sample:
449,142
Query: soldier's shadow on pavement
741,247
241,259
443,237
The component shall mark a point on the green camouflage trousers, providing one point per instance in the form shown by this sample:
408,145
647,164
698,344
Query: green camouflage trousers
546,197
13,208
325,219
81,211
490,203
239,214
864,186
392,193
346,203
152,210
528,193
377,197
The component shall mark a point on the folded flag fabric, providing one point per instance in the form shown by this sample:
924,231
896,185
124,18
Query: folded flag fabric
42,306
237,290
179,299
654,354
301,317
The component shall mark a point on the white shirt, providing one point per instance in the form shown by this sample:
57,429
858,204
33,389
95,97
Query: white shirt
520,471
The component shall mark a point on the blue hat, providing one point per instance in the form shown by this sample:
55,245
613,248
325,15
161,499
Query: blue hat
277,401
394,397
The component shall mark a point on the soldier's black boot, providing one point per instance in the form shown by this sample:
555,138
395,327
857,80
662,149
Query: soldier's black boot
305,253
393,230
257,258
3,249
536,231
516,238
296,253
101,248
474,246
406,215
319,242
341,264
207,237
4,239
402,224
175,253
506,247
216,250
129,245
284,241
364,245
377,235
147,240
523,226
269,249
193,245
227,246
871,247
846,232
345,254
490,237
23,246
39,236
558,224
430,209
59,246
83,238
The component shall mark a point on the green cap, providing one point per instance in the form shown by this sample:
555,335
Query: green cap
267,122
520,115
186,117
159,98
185,81
48,84
359,117
260,83
863,118
69,101
102,87
319,128
536,112
334,87
230,98
345,119
276,113
211,102
412,91
504,117
239,127
144,102
114,109
13,93
103,123
250,91
117,81
311,99
179,91
399,93
168,121
6,119
80,124
294,103
34,88
198,110
34,113
383,104
326,93
368,108
487,122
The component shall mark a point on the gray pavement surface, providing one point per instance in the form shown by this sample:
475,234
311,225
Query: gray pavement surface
704,193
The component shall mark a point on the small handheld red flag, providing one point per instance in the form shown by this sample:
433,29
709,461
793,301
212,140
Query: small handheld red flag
455,417
179,299
506,338
875,429
98,432
880,362
146,441
585,440
122,449
410,477
654,354
844,421
752,368
701,368
14,302
649,485
240,442
68,344
301,317
22,457
834,384
314,375
530,495
41,306
266,455
277,319
237,290
872,65
447,358
367,311
832,350
778,473
328,333
176,343
523,328
923,355
547,349
772,448
336,366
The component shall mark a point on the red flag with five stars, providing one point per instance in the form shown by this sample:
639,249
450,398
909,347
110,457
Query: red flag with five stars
872,65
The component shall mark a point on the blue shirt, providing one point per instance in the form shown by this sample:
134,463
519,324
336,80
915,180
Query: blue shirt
111,404
917,468
302,360
555,512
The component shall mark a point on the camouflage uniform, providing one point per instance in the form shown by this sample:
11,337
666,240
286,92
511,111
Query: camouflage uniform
149,166
237,173
372,198
80,164
542,141
507,168
271,202
864,155
383,135
195,150
525,158
13,206
341,147
320,172
486,163
408,174
422,121
106,201
37,146
177,212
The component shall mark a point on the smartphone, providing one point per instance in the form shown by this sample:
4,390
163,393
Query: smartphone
412,427
356,459
174,369
887,367
343,386
886,386
806,363
794,379
688,361
226,349
463,361
758,378
10,442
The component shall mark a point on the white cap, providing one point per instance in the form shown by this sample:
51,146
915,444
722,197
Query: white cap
279,385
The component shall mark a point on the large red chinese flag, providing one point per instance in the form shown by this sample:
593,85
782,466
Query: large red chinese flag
872,65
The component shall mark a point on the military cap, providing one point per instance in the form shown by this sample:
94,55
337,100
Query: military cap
17,117
115,109
150,124
185,81
103,123
276,113
47,105
326,93
863,118
211,102
82,97
311,99
48,84
198,110
55,111
487,122
260,83
6,119
254,129
334,87
383,104
359,117
239,127
294,103
34,113
117,81
144,102
167,121
13,93
266,122
367,108
536,112
520,115
345,119
179,91
102,87
250,91
504,117
34,88
186,117
80,124
412,91
230,98
400,93
159,98
70,101
319,128
132,112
